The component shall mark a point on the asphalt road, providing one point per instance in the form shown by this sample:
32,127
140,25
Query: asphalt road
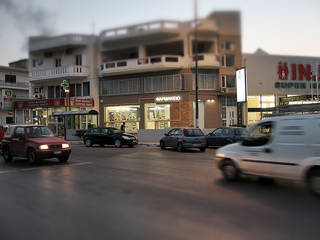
147,193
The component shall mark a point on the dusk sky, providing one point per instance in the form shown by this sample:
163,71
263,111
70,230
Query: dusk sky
277,26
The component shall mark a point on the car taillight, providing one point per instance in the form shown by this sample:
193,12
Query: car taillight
234,138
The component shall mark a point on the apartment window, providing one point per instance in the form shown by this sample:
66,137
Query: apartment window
78,90
50,91
164,83
206,81
34,63
228,101
228,81
58,62
58,91
229,46
10,78
86,89
79,60
72,90
227,60
122,86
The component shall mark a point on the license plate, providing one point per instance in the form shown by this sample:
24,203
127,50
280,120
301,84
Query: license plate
57,152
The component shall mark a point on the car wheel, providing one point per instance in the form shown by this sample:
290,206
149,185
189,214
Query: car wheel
32,157
63,159
88,142
130,146
162,145
6,154
180,147
118,143
230,171
313,182
203,149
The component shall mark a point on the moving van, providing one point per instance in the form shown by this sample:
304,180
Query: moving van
280,147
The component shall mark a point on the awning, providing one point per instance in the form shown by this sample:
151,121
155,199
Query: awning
82,112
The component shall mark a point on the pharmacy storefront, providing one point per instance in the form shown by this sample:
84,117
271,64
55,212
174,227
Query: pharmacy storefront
41,112
275,80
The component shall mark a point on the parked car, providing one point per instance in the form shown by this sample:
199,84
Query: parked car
183,138
108,136
226,135
281,147
34,143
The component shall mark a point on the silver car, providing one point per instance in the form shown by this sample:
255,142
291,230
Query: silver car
182,138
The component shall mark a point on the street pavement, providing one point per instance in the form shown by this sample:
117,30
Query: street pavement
147,193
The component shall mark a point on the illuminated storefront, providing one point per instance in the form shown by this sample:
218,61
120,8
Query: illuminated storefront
275,80
40,112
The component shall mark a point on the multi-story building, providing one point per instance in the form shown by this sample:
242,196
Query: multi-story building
147,73
279,80
71,57
14,85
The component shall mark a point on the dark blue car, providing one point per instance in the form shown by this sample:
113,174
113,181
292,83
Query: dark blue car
225,135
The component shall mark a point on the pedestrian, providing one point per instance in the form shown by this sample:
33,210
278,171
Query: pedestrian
123,127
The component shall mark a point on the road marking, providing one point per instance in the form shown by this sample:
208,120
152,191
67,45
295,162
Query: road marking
44,167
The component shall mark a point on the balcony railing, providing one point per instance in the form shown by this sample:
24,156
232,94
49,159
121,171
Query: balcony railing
139,29
17,85
58,72
153,63
206,60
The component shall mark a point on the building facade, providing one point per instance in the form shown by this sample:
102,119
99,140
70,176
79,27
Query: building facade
14,85
277,80
71,57
147,73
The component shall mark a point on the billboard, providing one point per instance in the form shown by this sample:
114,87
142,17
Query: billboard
241,78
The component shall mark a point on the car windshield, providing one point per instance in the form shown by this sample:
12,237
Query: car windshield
193,132
39,132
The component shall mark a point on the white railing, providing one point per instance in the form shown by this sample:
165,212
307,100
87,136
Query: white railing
140,29
65,71
19,85
154,62
207,60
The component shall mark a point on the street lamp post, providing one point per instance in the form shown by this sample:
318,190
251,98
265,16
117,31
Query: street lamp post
196,60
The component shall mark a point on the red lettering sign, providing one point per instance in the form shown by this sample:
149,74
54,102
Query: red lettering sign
283,71
304,72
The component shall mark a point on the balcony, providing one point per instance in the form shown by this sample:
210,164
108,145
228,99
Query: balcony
135,34
68,40
17,85
154,63
59,72
208,61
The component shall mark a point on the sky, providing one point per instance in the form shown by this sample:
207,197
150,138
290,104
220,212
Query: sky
286,27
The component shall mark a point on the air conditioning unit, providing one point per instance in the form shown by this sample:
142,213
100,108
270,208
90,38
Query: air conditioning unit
35,95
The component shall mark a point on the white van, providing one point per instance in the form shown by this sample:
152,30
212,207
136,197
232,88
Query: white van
281,147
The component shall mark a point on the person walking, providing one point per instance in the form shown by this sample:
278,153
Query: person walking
123,127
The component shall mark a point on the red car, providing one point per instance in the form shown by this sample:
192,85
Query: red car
34,143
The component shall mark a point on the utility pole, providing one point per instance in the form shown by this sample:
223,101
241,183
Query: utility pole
196,60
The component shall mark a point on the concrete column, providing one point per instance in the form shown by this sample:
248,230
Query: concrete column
142,52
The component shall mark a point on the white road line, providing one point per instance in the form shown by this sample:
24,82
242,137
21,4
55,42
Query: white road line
37,168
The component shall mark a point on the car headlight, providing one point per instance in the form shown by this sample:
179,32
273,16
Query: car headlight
65,145
44,147
126,137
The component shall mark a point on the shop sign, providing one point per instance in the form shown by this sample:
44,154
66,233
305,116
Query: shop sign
289,74
82,102
168,99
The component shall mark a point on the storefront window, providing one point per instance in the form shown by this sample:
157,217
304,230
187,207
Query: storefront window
262,101
157,116
115,116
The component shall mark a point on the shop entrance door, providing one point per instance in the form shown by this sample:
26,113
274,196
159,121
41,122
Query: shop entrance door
201,114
